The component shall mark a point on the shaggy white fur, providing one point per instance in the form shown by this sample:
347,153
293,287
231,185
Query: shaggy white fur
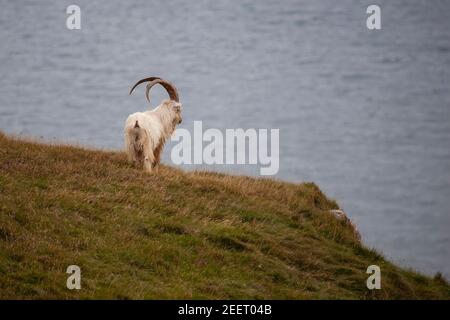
147,132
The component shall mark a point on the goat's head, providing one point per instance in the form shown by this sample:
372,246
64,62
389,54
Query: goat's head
174,105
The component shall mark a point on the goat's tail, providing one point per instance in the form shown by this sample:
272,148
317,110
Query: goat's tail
135,141
137,138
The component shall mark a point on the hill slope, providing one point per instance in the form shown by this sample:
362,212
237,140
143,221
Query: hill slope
175,234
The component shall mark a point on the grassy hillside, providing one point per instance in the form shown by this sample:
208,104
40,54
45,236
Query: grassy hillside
175,234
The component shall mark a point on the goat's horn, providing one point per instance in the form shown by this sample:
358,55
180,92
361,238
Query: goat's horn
170,88
143,80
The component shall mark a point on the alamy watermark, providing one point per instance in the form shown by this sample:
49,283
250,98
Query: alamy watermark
73,21
233,146
373,21
374,280
74,280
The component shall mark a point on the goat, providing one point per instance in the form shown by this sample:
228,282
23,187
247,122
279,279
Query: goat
147,132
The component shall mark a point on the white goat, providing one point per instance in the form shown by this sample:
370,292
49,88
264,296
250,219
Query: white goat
147,132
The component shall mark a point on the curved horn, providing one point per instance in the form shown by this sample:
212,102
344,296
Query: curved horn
143,80
170,88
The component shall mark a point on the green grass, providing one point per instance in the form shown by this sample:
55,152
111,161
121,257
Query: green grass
176,235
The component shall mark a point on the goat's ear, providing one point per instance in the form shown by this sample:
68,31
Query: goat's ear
177,107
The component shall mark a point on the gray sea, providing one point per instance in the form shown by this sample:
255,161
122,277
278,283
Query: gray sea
363,113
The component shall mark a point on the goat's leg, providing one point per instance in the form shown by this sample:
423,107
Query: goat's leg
149,160
147,166
129,148
134,148
131,154
157,153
